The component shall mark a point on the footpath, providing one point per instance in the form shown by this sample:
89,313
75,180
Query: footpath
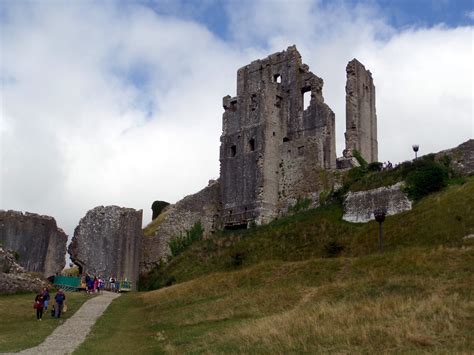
69,335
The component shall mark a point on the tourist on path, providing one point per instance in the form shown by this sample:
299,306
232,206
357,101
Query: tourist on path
46,298
39,303
59,298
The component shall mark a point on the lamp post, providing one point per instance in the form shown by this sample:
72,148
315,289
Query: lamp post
415,147
379,214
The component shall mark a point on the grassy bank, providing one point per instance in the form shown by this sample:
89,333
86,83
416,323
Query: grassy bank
443,218
419,299
19,328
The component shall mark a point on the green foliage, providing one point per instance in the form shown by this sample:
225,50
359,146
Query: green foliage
333,248
238,258
16,255
375,166
301,205
179,244
157,207
360,159
426,178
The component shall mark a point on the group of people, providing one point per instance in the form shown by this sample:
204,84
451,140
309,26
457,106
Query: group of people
42,302
96,284
93,284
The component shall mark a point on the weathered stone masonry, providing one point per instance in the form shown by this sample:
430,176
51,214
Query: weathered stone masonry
272,148
108,242
40,244
361,118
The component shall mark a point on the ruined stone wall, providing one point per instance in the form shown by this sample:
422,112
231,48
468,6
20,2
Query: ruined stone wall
272,148
359,206
461,157
178,218
108,242
361,118
40,244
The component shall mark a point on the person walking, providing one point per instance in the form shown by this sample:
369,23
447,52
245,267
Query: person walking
46,298
39,304
59,298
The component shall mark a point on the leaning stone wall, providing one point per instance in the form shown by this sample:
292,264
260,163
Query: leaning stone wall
359,206
361,118
178,218
40,244
107,242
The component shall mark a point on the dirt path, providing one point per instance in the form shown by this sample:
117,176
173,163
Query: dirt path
69,335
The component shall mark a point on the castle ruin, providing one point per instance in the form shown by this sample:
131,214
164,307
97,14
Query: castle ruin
276,148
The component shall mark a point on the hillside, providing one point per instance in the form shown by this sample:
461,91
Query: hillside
285,294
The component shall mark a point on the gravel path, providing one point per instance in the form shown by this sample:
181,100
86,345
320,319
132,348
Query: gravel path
69,335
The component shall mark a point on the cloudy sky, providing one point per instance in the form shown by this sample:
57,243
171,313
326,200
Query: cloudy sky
107,102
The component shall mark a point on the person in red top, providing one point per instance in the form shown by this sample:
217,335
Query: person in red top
39,304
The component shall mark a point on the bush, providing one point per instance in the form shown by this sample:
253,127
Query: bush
157,207
238,258
426,177
375,166
179,244
333,249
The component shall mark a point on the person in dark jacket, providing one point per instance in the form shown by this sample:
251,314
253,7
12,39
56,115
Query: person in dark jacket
46,298
59,298
39,303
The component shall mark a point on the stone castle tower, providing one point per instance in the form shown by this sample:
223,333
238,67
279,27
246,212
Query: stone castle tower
272,148
361,119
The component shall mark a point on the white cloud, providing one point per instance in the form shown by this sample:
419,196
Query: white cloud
102,105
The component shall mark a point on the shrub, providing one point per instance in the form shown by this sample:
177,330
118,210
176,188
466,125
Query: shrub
179,244
238,258
426,177
301,205
362,162
375,166
333,249
157,207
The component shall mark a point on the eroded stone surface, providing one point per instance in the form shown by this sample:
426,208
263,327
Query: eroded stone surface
40,244
462,157
13,277
361,118
359,206
273,148
178,218
107,242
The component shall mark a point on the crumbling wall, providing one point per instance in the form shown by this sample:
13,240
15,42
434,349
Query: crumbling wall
178,218
361,118
40,244
272,148
107,242
461,157
359,206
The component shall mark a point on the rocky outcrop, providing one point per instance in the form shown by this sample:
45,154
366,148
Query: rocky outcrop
359,206
107,242
177,219
461,157
40,244
13,277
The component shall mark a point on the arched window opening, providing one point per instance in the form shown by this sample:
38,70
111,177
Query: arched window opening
251,145
233,151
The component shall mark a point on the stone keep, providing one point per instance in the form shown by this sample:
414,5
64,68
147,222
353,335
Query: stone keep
107,242
361,119
272,148
40,244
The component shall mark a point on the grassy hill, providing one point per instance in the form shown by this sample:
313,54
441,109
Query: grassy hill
311,283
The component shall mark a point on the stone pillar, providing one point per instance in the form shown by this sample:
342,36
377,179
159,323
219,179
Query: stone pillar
361,118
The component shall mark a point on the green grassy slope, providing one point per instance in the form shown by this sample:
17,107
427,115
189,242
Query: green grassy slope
442,218
288,297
